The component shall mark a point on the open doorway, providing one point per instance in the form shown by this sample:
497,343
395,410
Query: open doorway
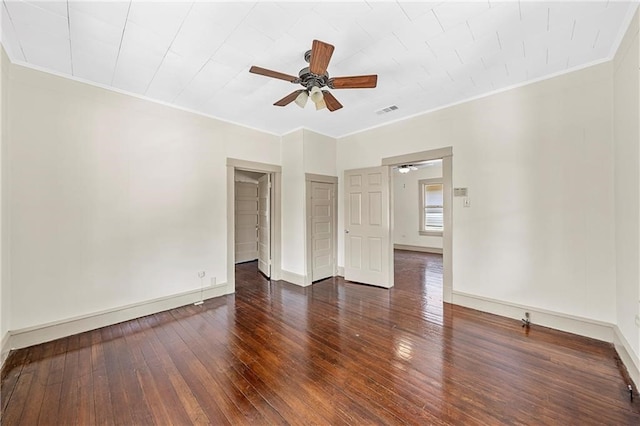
253,218
418,221
427,213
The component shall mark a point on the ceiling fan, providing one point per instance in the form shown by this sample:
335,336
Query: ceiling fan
314,77
406,168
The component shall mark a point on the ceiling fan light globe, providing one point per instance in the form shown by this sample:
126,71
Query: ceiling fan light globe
320,104
301,99
316,94
404,169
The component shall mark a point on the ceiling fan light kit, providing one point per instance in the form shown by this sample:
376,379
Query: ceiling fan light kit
321,104
314,77
315,94
406,168
301,99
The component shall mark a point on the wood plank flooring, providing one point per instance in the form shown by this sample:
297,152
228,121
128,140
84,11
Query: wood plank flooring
333,353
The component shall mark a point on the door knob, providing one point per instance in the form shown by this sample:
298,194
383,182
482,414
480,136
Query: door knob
346,231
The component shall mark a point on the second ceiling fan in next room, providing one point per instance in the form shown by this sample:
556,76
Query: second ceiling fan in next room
314,77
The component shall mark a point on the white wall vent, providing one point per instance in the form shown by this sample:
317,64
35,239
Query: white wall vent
387,109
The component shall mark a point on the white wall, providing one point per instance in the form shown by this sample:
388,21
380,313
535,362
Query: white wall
113,200
303,151
406,207
538,162
5,294
293,223
319,154
627,184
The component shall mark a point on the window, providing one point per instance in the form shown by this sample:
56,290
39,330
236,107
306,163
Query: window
431,207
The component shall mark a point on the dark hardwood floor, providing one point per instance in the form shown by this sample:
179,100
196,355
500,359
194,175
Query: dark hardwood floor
333,353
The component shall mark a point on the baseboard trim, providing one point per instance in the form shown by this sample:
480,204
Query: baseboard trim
294,278
627,356
341,271
5,348
421,249
572,324
30,336
599,330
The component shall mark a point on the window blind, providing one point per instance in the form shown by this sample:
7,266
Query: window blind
433,207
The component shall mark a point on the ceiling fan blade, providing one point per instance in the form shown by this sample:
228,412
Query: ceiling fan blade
289,98
354,82
331,101
273,74
320,56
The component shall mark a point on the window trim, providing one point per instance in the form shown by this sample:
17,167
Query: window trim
421,184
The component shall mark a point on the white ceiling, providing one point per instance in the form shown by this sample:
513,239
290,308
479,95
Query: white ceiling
197,55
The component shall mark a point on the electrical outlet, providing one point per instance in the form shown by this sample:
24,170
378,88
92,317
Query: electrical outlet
201,274
467,202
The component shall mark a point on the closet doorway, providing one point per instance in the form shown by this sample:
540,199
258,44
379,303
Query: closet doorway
322,223
253,218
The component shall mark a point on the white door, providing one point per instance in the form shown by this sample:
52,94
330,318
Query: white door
246,221
367,237
323,224
264,225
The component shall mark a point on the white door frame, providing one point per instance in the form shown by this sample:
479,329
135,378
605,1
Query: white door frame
446,154
310,177
276,179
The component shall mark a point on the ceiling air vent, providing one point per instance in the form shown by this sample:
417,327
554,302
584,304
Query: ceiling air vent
387,109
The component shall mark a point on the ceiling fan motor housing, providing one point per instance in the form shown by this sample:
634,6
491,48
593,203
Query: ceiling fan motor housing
309,79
